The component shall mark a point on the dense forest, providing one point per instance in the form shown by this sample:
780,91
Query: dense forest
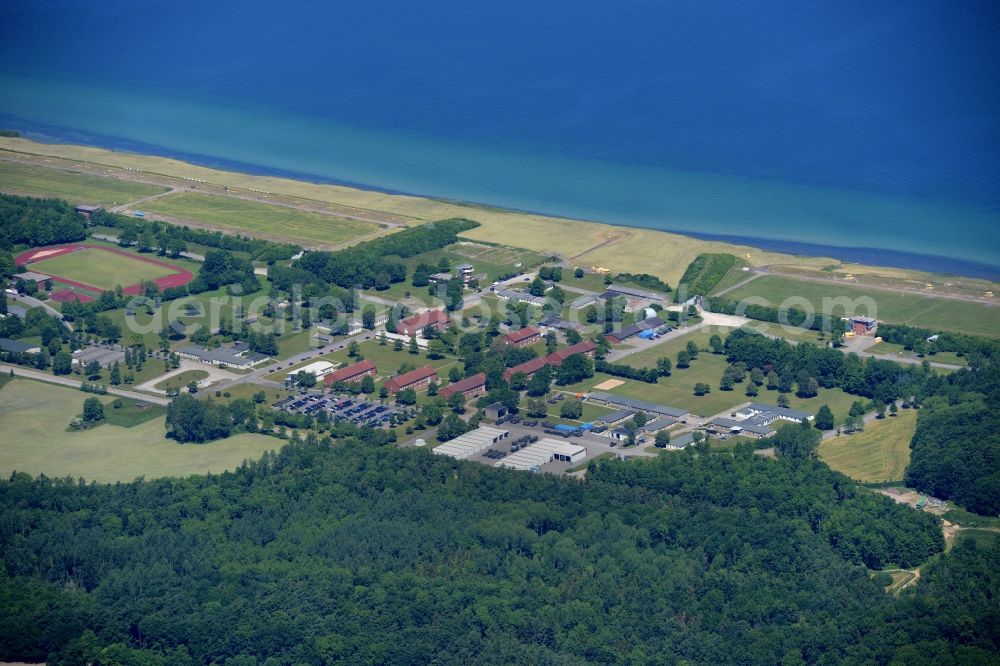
364,554
33,222
956,448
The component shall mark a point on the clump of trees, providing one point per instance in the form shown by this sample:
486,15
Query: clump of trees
367,264
704,273
35,222
198,421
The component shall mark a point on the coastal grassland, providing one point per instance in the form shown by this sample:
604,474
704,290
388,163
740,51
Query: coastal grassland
583,243
241,216
892,306
98,268
34,417
879,453
75,187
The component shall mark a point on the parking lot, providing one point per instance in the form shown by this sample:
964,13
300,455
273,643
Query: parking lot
357,410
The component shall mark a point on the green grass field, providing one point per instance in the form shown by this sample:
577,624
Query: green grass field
34,417
76,188
983,538
250,216
880,453
678,389
127,414
896,307
892,349
182,379
101,269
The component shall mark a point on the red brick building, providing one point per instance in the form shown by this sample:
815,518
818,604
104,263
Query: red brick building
522,337
351,373
470,387
414,379
863,325
528,368
414,325
585,347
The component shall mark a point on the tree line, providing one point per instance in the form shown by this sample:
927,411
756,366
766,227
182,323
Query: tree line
347,552
367,264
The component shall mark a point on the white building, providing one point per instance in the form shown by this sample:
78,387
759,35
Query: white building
319,368
544,451
471,443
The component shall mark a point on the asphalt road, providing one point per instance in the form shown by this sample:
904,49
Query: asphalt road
75,383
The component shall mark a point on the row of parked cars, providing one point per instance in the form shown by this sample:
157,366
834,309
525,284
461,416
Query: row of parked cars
359,412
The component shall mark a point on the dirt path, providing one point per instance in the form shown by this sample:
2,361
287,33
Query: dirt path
753,276
118,209
617,238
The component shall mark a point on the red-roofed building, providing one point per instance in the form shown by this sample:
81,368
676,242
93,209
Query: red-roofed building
414,379
469,387
585,347
522,337
351,373
528,368
414,325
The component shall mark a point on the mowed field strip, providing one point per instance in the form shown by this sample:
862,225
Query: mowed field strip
250,216
895,307
76,188
34,417
880,453
99,268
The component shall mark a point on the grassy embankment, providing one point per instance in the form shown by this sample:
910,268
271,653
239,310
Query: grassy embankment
880,453
935,313
34,417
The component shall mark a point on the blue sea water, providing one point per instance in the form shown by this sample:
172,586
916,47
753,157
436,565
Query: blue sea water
828,125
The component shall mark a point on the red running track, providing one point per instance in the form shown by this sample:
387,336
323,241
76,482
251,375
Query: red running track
179,278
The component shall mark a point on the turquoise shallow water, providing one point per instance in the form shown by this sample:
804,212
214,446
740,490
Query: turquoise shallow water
863,126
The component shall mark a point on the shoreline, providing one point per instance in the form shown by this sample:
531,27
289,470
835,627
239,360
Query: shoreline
813,255
873,256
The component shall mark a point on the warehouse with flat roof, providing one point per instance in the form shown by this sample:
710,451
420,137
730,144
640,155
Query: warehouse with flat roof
471,443
544,451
